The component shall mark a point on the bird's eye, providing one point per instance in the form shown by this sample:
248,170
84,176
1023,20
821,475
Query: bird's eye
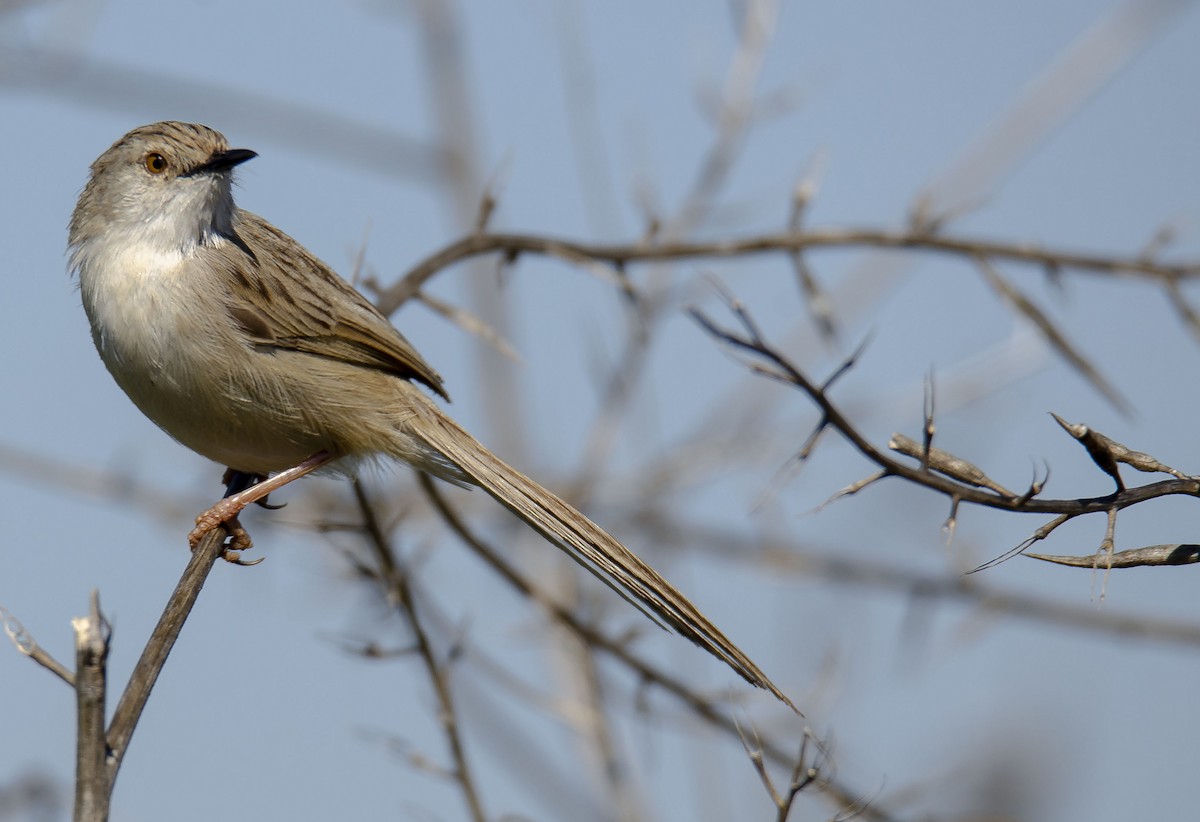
155,163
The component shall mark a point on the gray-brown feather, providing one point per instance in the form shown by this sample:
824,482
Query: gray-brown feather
321,314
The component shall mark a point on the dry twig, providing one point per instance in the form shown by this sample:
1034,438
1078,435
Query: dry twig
766,361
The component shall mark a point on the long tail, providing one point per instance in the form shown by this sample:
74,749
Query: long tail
587,543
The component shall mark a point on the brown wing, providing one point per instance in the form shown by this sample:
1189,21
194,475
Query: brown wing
285,298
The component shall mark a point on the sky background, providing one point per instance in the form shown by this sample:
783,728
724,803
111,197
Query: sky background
582,111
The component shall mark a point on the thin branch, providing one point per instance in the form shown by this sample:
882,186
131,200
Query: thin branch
804,773
395,579
154,656
1051,333
784,371
469,323
733,111
1044,531
621,255
109,85
26,644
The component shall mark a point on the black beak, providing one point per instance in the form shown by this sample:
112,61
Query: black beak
222,161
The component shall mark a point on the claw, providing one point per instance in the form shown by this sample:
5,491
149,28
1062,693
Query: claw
234,558
239,537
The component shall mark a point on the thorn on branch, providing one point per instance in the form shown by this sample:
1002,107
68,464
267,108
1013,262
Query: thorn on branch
1054,275
1037,536
1106,453
1035,487
1166,554
946,463
930,428
851,489
489,199
921,217
625,284
1163,237
487,207
950,526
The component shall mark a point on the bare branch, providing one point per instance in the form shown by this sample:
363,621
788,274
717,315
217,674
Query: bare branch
781,369
621,255
26,644
93,780
1052,334
470,323
154,655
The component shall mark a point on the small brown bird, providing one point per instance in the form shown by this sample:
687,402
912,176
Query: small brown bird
249,350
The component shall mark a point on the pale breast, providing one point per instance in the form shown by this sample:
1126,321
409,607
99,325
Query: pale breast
164,334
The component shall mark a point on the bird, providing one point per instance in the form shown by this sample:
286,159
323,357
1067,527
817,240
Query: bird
244,347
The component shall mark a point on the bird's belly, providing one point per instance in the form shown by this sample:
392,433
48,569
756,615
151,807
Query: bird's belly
222,415
183,364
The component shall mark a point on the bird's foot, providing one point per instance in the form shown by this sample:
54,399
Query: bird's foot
225,514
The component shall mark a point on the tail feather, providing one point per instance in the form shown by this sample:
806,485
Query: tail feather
587,543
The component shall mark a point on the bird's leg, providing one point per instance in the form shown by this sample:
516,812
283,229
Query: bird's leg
241,494
236,481
239,538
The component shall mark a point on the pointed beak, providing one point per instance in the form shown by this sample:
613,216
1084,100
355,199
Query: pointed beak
223,161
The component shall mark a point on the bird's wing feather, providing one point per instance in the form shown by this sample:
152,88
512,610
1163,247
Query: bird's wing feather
317,312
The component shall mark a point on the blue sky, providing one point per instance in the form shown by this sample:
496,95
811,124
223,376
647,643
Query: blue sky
580,112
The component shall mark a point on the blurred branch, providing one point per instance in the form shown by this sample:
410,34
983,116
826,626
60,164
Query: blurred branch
116,487
395,581
512,246
805,772
32,796
774,556
733,110
701,706
1052,334
106,85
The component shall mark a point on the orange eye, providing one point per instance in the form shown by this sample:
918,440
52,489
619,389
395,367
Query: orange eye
155,163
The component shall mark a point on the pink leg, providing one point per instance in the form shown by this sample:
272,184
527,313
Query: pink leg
226,510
